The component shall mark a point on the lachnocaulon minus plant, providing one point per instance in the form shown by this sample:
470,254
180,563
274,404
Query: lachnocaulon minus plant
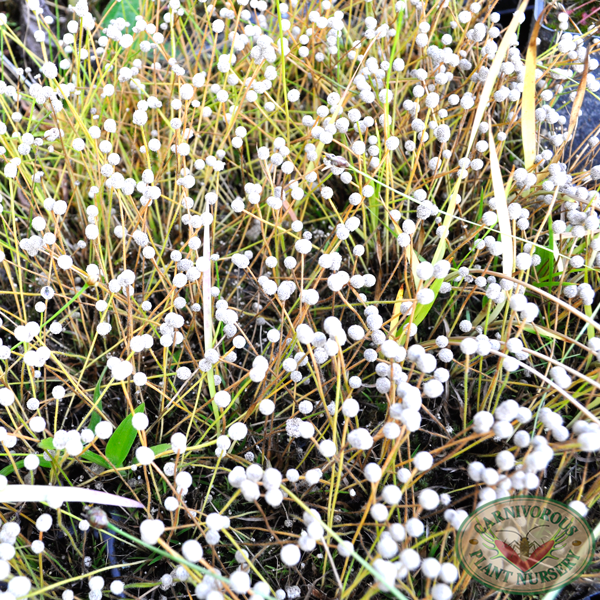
305,283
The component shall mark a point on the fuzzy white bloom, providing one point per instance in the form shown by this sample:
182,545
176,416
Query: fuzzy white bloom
222,399
290,555
151,530
483,422
327,448
589,441
49,70
423,461
360,439
428,499
144,455
373,472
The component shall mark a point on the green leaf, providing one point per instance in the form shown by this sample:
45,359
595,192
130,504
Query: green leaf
423,309
96,459
47,444
8,470
96,418
128,9
157,450
121,441
545,268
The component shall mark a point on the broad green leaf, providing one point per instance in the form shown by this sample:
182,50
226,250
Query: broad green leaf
96,459
423,309
128,9
546,267
121,441
47,444
156,449
550,257
9,469
96,418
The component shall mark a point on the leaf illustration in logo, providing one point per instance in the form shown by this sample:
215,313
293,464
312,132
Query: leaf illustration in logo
524,564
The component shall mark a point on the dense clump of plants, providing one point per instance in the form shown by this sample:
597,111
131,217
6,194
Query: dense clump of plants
289,289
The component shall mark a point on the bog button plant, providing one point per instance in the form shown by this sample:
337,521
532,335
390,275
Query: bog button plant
288,290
